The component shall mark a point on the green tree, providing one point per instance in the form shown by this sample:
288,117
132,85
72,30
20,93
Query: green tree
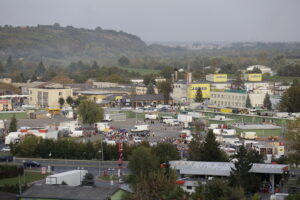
142,161
61,102
292,138
158,184
167,72
27,147
295,196
199,97
165,88
79,100
239,175
148,78
248,102
124,61
70,100
267,102
150,89
90,112
33,78
41,70
166,152
88,180
95,66
290,101
238,83
13,124
208,150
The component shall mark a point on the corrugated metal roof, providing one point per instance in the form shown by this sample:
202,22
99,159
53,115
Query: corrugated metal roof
222,168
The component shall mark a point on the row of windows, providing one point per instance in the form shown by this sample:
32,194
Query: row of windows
226,103
228,96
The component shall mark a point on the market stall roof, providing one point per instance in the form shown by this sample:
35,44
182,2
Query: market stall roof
222,168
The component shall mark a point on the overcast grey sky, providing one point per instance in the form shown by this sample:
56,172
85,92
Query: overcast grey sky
166,20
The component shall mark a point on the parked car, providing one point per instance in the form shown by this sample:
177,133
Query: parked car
6,158
31,164
5,149
137,139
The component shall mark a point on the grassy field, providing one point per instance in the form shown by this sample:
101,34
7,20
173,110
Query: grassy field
141,70
280,78
29,178
8,115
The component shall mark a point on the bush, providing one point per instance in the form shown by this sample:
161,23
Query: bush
9,171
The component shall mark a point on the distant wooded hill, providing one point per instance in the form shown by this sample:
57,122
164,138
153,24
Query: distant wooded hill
66,44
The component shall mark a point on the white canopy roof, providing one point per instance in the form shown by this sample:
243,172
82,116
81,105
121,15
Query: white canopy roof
222,168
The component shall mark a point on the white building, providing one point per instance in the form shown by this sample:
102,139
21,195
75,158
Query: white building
263,69
179,93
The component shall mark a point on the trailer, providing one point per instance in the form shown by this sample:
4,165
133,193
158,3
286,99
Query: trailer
185,118
249,135
151,116
71,178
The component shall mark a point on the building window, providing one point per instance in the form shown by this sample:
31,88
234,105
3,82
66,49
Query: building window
60,93
189,187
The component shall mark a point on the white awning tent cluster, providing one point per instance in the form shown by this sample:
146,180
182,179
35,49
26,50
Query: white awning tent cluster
223,168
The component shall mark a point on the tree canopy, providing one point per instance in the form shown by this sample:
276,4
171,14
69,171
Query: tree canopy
199,97
13,126
267,102
90,112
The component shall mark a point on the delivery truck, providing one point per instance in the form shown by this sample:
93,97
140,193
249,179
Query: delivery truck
71,178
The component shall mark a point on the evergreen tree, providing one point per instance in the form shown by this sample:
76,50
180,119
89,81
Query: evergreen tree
124,61
95,66
267,102
88,180
70,100
33,77
199,97
41,70
239,175
9,65
238,83
150,89
1,69
61,102
248,102
208,150
13,124
290,101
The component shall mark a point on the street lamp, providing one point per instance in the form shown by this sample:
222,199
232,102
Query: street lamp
99,163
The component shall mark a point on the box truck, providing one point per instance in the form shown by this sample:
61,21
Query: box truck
249,135
71,178
151,116
184,118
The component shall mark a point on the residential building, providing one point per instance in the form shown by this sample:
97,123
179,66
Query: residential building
235,98
144,100
216,78
253,77
48,97
39,84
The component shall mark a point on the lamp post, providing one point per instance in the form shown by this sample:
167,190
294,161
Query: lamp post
99,163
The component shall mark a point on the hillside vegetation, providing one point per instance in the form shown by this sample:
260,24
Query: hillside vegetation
66,44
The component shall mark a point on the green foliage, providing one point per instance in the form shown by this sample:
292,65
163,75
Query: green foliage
290,70
248,102
207,150
199,97
165,88
88,180
149,79
256,196
290,101
166,152
150,89
292,138
90,112
218,189
40,71
142,161
70,100
295,196
240,176
167,72
124,61
267,102
13,125
9,171
157,184
238,83
61,102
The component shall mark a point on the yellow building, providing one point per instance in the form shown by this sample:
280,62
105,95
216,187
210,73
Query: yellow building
216,78
5,105
253,77
192,90
48,97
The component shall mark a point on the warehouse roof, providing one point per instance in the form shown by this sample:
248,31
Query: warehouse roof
222,168
256,126
69,192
